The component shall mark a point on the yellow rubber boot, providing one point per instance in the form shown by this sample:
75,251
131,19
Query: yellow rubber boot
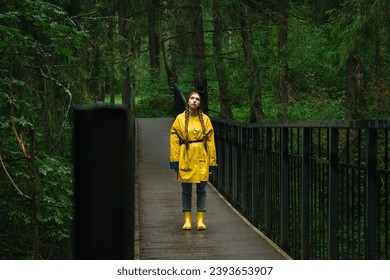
200,219
187,221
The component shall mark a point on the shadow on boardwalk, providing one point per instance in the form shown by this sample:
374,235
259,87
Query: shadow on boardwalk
159,217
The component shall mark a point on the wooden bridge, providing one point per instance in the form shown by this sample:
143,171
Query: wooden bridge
160,218
317,190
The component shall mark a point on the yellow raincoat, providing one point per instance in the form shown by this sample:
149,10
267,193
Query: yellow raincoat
195,162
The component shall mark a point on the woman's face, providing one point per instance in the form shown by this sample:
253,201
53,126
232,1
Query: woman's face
194,101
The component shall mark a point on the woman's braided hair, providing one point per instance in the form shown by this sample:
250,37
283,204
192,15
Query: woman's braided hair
187,117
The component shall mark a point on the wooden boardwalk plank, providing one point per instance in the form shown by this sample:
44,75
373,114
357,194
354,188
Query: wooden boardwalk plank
159,215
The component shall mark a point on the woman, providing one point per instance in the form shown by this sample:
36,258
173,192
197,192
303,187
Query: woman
193,156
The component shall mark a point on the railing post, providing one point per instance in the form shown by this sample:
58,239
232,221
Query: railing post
235,143
227,162
220,157
333,212
285,225
255,177
268,182
305,195
371,208
103,189
244,168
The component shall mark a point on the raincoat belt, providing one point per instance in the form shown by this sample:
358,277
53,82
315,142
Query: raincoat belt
194,141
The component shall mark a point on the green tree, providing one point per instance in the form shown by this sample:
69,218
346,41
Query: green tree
39,40
221,72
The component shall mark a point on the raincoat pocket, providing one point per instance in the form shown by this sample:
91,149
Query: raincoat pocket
184,162
184,165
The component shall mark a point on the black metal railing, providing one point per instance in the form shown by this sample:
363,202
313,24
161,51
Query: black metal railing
318,190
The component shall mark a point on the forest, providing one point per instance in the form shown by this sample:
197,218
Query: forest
252,60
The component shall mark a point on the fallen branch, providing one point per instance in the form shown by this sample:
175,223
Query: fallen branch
12,181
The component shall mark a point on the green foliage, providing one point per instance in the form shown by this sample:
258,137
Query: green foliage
55,200
154,101
317,109
37,37
56,55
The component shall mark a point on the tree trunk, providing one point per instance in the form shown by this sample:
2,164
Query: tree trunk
74,7
33,201
222,77
254,91
111,46
154,44
378,53
126,88
267,21
198,54
95,88
355,87
282,45
320,10
166,46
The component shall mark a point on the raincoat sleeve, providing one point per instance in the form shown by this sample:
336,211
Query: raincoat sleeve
211,146
174,145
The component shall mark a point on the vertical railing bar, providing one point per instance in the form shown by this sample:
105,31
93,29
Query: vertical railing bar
348,174
371,209
314,186
227,161
386,195
221,155
333,193
323,192
268,182
359,184
319,143
255,173
360,200
305,195
235,164
230,149
244,169
284,172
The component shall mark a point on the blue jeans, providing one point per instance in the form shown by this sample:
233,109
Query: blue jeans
186,196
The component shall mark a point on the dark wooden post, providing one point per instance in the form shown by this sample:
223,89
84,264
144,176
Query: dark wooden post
103,184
